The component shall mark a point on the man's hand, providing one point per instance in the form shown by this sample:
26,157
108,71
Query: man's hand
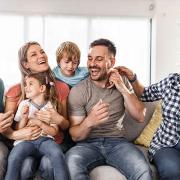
116,79
125,71
6,120
99,114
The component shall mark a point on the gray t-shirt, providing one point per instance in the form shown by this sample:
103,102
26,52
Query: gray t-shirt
86,94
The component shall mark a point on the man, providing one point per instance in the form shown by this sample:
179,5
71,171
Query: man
5,122
96,113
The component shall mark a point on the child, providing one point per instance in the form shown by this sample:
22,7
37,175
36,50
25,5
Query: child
40,93
68,59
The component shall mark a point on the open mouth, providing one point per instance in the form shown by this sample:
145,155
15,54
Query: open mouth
94,72
42,62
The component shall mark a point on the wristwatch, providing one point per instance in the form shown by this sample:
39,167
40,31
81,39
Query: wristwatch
133,79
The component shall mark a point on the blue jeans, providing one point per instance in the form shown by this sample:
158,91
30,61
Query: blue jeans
38,148
167,161
116,152
30,166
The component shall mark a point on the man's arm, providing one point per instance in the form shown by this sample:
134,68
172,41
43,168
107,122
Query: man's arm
81,126
134,106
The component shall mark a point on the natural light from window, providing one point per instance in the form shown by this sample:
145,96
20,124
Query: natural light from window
130,35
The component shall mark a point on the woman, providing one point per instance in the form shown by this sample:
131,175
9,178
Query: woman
165,145
33,59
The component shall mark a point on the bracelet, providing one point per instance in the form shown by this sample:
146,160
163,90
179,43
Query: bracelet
133,79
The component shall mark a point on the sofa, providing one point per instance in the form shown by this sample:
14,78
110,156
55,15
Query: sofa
132,131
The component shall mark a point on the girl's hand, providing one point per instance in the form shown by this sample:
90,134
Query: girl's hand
34,122
25,112
50,115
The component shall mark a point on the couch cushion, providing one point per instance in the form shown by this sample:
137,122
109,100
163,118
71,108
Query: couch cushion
148,132
106,173
134,128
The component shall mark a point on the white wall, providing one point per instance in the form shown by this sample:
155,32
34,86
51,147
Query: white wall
165,14
81,7
167,38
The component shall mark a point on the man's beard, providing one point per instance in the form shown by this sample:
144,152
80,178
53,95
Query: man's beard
102,75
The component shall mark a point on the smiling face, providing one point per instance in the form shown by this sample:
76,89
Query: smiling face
33,89
37,60
68,65
99,62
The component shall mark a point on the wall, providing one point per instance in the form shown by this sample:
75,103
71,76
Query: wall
81,7
165,14
166,50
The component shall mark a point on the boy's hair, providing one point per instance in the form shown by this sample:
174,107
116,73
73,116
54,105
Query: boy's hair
70,48
105,42
45,79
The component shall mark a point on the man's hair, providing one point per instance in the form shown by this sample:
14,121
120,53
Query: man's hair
105,42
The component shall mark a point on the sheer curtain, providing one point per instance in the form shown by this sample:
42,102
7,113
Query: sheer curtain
130,35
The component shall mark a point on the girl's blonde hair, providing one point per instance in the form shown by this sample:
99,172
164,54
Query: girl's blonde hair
70,48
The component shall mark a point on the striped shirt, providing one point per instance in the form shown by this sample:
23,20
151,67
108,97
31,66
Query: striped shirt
168,90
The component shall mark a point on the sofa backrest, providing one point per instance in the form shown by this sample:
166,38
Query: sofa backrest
132,127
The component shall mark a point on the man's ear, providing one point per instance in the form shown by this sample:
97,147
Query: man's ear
113,60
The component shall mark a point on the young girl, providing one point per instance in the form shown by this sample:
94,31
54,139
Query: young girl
40,95
68,59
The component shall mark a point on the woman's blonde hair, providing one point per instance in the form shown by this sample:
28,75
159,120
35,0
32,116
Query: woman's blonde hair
70,48
22,53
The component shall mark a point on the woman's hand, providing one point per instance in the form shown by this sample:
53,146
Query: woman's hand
27,133
6,120
50,115
34,122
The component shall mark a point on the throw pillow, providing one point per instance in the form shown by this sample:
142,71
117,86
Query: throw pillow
147,134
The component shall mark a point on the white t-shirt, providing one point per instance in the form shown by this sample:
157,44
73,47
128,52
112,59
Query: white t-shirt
32,110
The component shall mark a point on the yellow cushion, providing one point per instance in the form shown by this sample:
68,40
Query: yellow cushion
147,134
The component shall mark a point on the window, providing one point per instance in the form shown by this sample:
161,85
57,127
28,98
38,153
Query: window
130,35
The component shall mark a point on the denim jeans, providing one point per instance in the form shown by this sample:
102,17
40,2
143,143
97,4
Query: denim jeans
3,159
38,148
167,161
31,165
116,152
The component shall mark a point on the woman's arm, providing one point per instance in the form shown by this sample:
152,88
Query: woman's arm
27,133
51,130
